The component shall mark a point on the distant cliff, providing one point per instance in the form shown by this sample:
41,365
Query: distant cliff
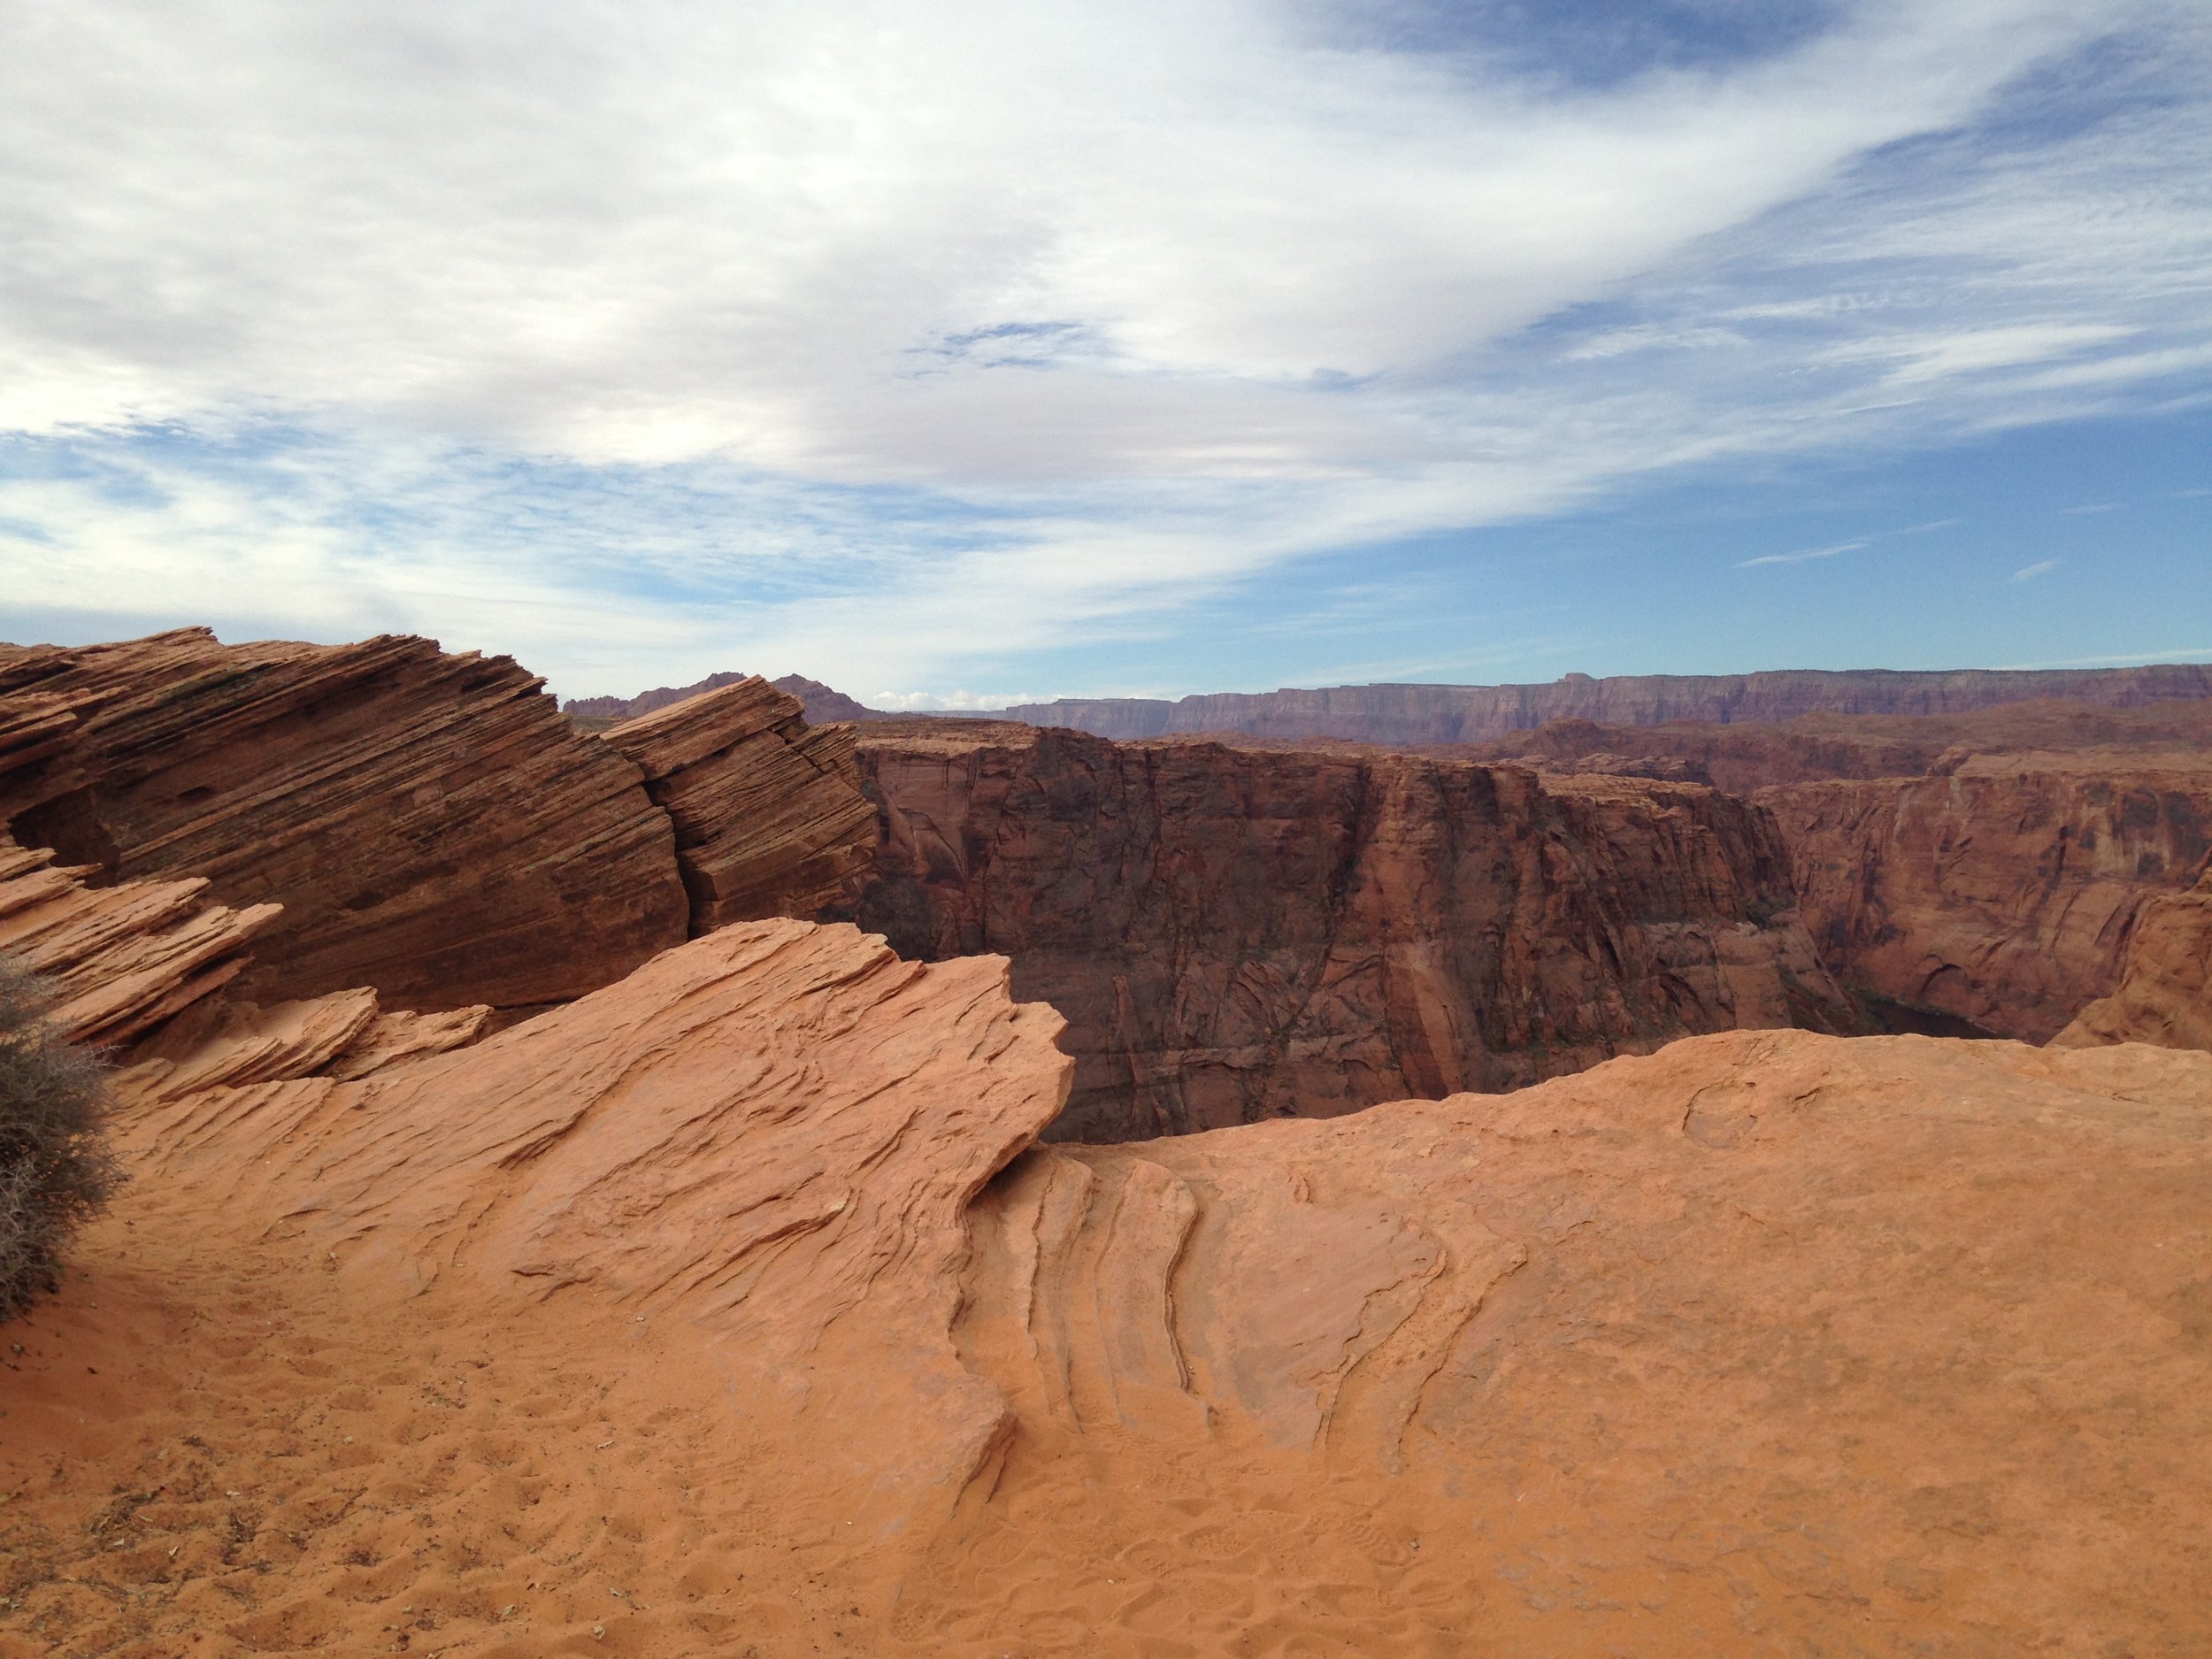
822,703
1472,714
1234,934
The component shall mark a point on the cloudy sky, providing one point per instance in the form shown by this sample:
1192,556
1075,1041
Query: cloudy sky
955,351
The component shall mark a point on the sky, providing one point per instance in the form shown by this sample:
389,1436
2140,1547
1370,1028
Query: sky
960,352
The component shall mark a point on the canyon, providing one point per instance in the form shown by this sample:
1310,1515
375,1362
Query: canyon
1284,1198
1236,934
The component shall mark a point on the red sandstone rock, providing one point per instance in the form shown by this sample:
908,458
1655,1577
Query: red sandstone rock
1748,756
772,1132
1472,714
2165,991
2002,891
1234,934
429,822
769,816
1769,1340
124,958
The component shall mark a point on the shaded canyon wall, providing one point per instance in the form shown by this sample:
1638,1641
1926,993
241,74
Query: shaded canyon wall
1239,934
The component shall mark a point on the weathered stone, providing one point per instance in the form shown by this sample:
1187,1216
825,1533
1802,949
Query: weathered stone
1235,934
769,816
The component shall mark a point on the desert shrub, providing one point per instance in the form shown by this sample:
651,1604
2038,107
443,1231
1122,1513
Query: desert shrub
55,1171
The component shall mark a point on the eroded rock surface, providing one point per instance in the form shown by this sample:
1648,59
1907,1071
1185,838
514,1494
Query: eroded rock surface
430,824
706,1292
2165,991
772,1132
122,959
769,816
1234,934
2002,891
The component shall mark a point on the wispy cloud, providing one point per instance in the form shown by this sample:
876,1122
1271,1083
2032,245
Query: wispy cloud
868,340
2029,573
1804,556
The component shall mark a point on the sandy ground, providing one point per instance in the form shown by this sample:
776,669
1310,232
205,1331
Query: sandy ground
210,1455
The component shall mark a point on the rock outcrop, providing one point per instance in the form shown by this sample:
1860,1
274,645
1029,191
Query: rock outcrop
735,1280
430,825
772,1133
1235,934
1472,714
2165,991
122,959
769,816
429,822
147,970
2003,890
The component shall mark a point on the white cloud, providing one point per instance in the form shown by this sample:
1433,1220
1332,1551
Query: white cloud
2029,573
1804,556
873,335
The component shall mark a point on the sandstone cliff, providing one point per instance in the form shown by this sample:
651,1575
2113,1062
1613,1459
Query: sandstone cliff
692,1316
430,825
2002,892
1469,714
2165,991
429,822
769,816
1750,755
1236,934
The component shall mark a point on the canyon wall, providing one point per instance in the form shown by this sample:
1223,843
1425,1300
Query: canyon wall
1469,714
2003,890
430,824
1749,754
1236,934
2165,991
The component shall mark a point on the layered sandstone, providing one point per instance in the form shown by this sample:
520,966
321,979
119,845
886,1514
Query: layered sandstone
1470,714
1237,934
1747,756
147,970
2002,890
2165,991
725,1308
768,812
429,822
122,959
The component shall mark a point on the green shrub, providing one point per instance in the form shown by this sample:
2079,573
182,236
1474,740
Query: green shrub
55,1171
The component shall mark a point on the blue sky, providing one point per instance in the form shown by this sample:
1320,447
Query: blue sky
961,353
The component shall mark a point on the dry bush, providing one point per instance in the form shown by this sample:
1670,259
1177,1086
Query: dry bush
55,1171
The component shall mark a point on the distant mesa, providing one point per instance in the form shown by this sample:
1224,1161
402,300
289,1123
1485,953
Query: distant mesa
1473,714
822,703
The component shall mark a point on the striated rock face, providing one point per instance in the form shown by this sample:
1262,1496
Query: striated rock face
769,816
772,1132
1769,1333
122,959
2002,891
1767,1341
1470,714
1748,756
2165,991
429,822
1238,934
